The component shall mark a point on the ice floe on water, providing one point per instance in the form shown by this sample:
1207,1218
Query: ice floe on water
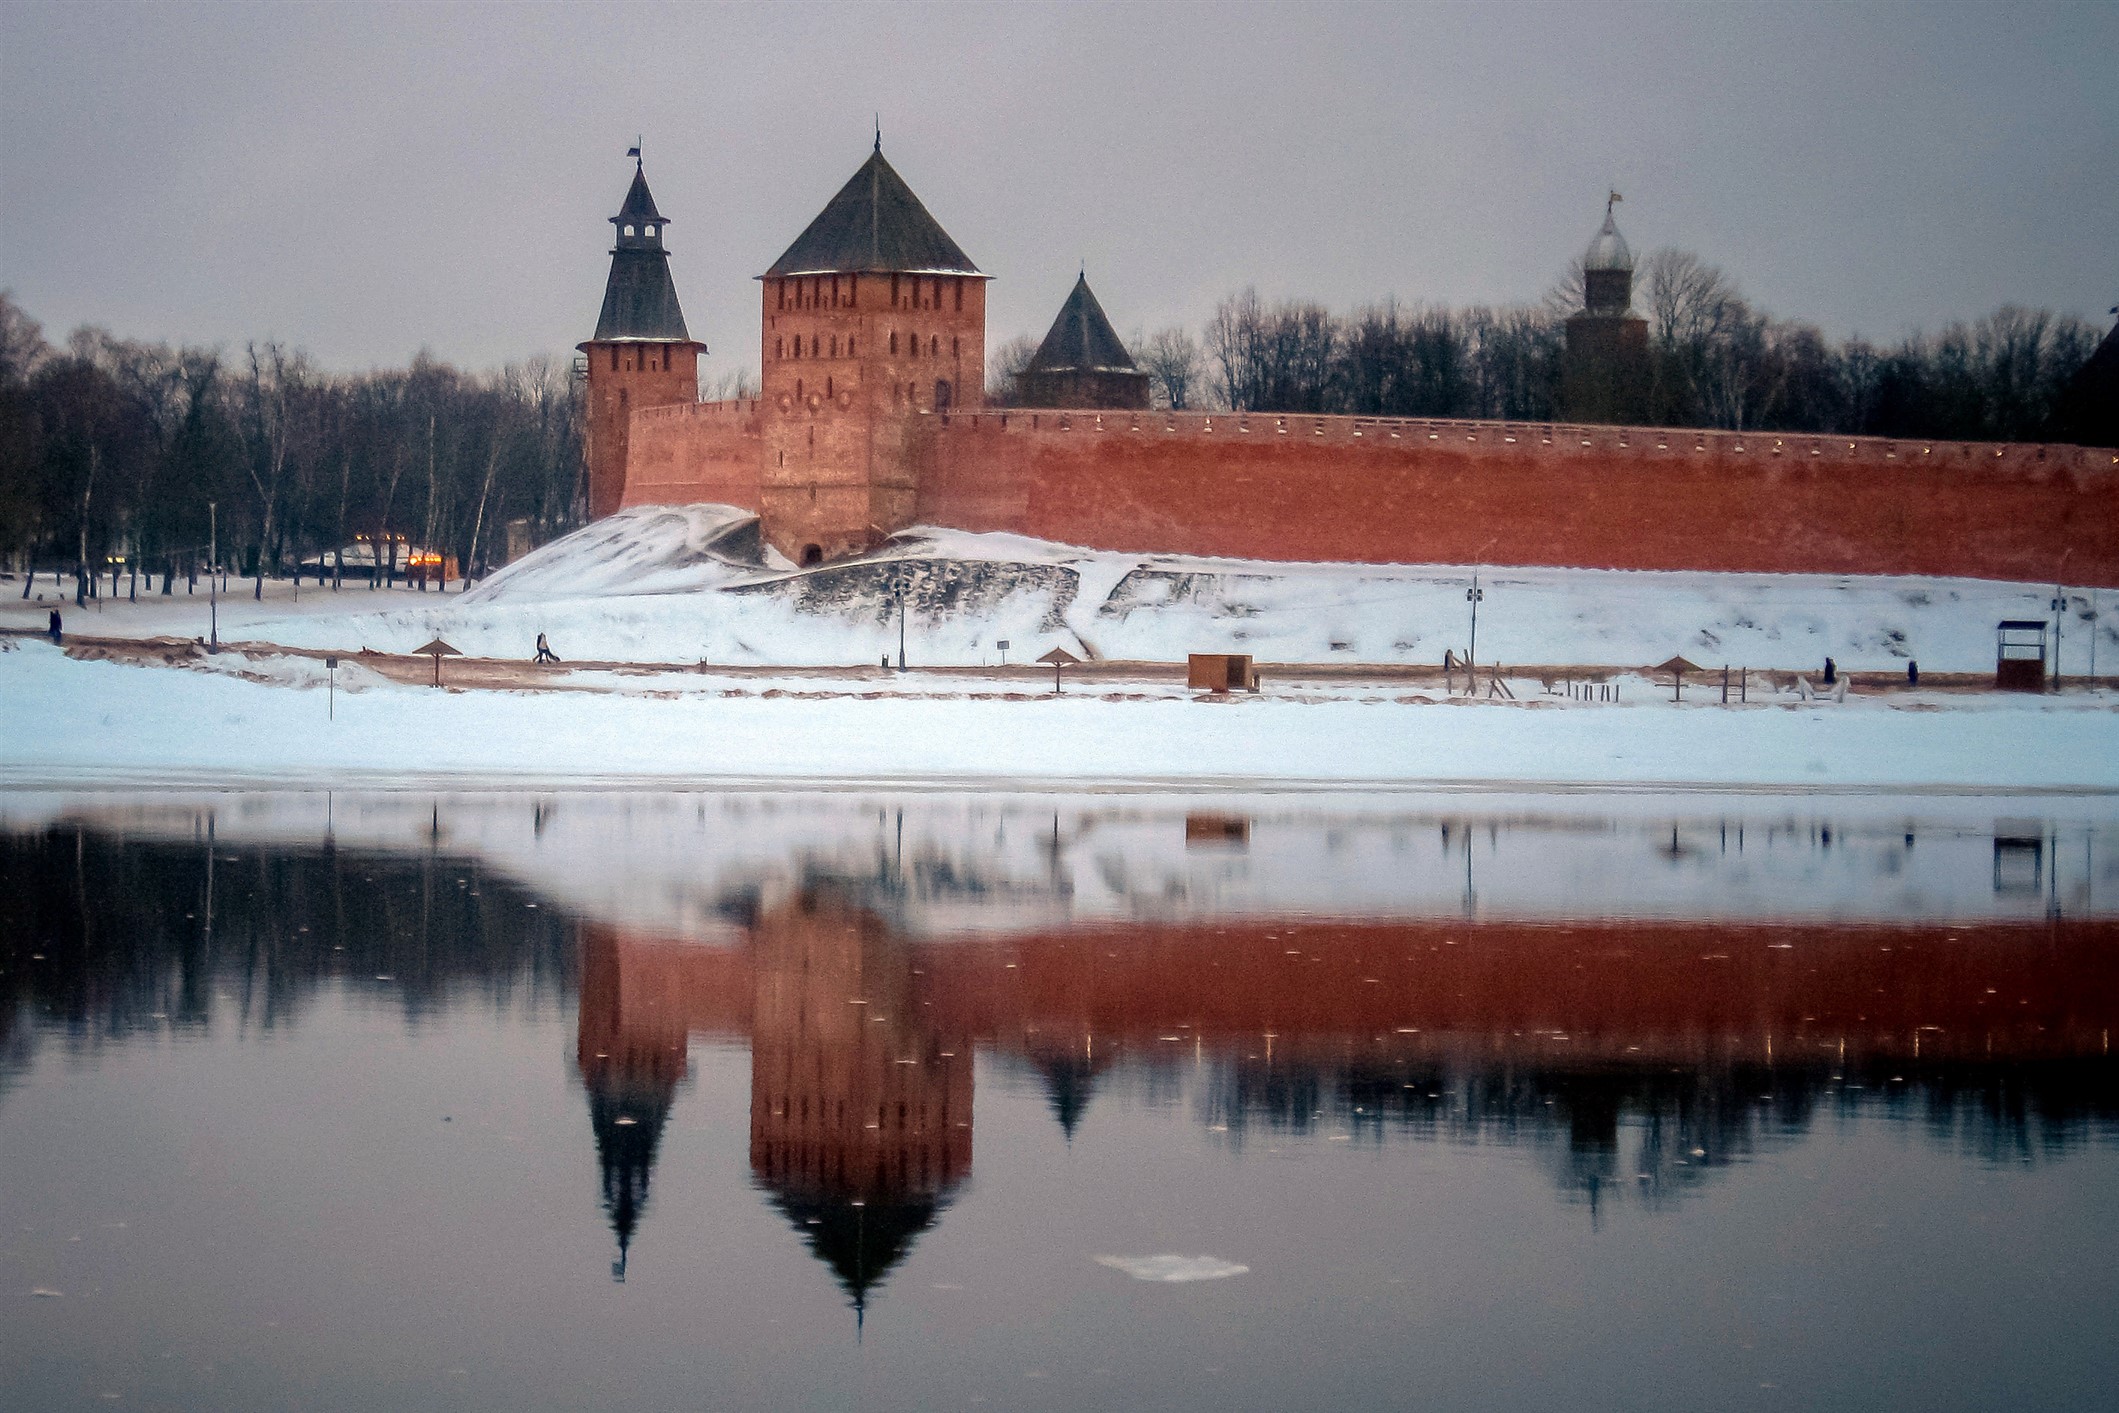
1173,1270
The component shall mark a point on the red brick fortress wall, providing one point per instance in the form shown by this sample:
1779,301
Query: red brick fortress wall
695,452
1386,491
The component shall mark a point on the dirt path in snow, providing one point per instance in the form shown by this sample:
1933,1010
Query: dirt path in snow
1526,682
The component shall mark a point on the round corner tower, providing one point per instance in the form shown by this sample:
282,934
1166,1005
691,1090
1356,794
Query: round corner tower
641,355
872,321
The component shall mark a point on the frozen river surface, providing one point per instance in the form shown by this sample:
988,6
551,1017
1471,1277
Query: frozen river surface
902,1100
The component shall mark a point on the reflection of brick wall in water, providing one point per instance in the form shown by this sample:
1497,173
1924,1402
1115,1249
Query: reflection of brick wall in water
854,1093
861,1077
1624,989
1649,983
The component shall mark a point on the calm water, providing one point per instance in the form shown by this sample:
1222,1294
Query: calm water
890,1101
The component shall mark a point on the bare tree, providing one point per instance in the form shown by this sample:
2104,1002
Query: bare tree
1515,361
270,401
22,346
1234,339
1002,365
729,385
1569,294
1690,302
1171,359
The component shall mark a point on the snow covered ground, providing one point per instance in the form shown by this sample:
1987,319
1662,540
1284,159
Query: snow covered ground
686,584
264,720
693,585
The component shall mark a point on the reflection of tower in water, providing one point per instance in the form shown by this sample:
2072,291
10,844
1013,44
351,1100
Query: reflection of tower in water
860,1114
632,1056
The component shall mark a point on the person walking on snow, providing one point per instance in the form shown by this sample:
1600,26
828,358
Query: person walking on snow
54,629
544,651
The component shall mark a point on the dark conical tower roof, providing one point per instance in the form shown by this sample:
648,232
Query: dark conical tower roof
1070,1080
860,1242
627,1114
640,298
1081,337
875,224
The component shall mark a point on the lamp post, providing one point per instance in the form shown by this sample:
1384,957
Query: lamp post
901,619
213,563
1471,656
2093,640
2059,616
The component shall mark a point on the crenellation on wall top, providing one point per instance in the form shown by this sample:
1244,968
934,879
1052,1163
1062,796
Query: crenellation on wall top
689,411
1525,437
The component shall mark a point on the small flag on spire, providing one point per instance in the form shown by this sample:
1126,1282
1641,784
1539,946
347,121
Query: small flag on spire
632,152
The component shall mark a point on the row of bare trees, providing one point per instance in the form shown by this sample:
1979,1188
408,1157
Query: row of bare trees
119,453
1713,360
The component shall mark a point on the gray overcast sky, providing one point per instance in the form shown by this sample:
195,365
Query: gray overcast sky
366,180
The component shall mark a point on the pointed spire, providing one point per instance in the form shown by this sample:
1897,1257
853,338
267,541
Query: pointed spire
639,205
639,297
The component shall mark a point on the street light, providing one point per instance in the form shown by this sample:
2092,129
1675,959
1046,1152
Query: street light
213,560
1472,596
900,584
2059,606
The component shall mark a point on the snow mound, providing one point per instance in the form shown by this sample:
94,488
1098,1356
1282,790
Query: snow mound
648,549
695,584
278,671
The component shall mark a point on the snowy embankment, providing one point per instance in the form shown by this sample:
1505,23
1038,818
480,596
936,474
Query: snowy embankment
686,584
64,721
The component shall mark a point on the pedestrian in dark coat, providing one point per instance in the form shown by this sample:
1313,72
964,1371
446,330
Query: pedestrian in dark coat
54,630
1831,672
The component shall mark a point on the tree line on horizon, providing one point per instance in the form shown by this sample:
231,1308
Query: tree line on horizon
112,451
1714,360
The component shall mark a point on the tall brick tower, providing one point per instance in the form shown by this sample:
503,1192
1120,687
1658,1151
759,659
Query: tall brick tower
873,320
641,355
